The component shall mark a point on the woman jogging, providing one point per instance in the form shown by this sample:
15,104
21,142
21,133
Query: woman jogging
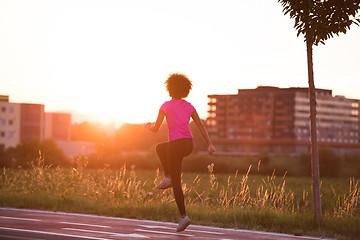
177,112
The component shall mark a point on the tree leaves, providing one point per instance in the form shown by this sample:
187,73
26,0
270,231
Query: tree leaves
319,20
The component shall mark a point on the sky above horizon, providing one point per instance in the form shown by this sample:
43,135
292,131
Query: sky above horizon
110,58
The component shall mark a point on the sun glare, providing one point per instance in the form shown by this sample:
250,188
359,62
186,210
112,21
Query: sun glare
130,100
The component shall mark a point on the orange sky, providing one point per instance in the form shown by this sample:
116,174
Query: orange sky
110,58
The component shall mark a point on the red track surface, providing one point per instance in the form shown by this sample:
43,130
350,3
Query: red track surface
29,224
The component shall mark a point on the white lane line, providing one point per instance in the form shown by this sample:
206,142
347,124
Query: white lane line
110,233
52,233
188,230
83,224
152,226
200,231
279,234
169,233
25,219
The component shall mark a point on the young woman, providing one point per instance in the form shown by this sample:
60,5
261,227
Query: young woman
178,113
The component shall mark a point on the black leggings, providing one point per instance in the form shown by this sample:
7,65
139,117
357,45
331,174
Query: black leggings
171,155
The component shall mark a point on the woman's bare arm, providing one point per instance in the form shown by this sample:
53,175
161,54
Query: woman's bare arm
155,127
204,132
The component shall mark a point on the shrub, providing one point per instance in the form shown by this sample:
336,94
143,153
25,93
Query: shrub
329,163
26,152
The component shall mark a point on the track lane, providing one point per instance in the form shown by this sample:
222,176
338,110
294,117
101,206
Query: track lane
36,224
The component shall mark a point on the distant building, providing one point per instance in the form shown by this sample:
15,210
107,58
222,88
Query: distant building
76,148
272,119
58,126
10,122
32,121
25,121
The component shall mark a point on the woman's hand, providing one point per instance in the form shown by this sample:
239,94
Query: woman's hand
154,127
211,149
150,126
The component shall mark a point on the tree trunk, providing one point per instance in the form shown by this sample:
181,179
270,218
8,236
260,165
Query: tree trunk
313,135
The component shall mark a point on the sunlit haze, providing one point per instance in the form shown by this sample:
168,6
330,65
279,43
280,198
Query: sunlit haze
111,58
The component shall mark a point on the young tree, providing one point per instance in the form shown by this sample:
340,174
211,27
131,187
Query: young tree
319,20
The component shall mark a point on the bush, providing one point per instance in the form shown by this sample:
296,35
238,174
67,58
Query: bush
329,163
141,160
29,151
351,164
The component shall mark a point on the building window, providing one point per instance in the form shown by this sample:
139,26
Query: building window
2,134
213,100
11,122
355,112
11,109
10,134
3,109
2,121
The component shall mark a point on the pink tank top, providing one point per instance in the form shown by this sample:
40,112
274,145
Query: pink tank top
178,113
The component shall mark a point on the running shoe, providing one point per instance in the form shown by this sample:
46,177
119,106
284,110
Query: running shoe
165,184
183,224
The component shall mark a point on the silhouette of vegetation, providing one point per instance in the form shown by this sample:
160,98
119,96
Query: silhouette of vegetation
27,152
330,163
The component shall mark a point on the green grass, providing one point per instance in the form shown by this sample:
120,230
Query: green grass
267,203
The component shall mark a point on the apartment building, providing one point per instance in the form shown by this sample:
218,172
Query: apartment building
275,119
9,122
32,124
58,126
26,121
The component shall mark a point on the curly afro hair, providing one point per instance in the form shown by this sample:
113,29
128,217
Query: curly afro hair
178,85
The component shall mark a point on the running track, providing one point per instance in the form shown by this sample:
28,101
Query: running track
21,224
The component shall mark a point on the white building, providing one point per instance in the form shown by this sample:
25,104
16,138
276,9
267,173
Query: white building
10,120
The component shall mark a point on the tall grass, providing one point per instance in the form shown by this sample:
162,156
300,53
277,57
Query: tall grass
238,201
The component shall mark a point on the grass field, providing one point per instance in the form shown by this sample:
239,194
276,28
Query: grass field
268,203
